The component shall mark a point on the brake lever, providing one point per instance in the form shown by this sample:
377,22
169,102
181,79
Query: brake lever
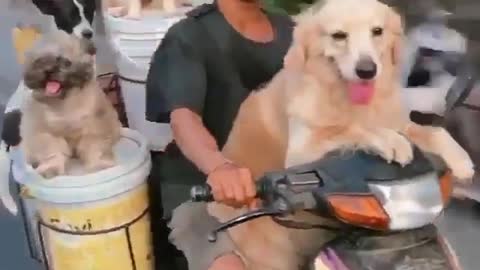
283,194
212,236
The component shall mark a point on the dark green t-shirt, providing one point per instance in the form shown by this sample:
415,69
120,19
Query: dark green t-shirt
205,65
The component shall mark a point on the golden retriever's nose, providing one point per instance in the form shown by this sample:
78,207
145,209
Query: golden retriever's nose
366,69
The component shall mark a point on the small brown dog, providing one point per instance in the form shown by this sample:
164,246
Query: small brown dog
67,114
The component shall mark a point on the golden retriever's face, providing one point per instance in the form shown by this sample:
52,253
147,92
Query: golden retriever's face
357,38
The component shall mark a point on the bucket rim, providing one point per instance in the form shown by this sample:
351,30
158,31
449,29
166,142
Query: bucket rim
148,24
93,186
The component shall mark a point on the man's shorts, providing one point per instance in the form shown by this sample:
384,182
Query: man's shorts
191,223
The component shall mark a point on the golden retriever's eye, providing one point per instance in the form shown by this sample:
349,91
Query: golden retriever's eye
377,31
340,35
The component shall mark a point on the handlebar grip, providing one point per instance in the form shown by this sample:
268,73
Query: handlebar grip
201,193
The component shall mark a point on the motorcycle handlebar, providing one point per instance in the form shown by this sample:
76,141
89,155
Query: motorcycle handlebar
203,193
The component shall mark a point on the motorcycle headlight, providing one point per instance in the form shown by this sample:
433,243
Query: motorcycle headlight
395,205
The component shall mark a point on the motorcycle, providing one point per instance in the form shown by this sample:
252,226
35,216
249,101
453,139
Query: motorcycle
387,210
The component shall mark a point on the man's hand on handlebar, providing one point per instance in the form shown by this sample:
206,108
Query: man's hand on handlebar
232,185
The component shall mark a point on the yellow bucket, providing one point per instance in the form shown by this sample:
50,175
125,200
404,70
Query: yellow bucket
96,221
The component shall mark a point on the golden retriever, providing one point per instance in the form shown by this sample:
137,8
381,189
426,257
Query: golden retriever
339,88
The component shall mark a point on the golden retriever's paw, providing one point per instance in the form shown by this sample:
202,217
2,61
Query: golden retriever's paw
52,167
402,148
392,146
463,169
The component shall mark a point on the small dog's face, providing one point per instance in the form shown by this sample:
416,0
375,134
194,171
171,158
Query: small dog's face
58,64
356,38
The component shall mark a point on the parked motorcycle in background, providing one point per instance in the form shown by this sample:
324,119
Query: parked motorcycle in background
440,78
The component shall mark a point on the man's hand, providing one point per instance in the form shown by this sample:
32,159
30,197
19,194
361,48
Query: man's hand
232,185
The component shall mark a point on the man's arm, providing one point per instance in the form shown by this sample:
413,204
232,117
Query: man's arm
230,184
170,96
195,141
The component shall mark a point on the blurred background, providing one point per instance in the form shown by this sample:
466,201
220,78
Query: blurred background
465,14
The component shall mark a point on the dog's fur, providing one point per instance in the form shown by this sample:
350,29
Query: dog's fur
77,122
132,9
304,112
72,16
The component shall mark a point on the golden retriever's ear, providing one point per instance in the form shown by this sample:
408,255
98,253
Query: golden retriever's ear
296,56
395,27
306,28
294,60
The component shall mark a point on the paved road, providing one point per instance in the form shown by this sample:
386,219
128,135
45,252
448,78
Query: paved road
461,222
14,255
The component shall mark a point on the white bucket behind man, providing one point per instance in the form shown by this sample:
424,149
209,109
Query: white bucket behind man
135,41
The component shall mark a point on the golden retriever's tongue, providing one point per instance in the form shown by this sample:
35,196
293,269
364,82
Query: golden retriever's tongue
52,88
361,92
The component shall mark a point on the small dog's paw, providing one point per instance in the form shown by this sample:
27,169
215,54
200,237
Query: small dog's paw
52,167
134,16
100,164
116,11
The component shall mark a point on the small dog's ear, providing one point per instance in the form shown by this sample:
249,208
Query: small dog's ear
88,46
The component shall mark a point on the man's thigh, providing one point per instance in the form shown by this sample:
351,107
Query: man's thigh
190,227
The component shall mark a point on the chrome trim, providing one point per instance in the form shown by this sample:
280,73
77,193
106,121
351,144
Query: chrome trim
410,203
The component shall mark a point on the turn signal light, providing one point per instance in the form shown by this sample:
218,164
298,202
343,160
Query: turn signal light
361,210
446,186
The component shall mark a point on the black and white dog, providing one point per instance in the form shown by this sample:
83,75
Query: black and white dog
75,17
72,16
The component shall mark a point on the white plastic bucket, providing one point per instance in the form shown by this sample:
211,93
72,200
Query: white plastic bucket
152,23
132,81
135,41
93,221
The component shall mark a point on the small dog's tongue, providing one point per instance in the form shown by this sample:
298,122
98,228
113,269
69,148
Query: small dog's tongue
361,92
52,88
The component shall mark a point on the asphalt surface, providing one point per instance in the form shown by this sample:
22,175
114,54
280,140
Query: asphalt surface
461,222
